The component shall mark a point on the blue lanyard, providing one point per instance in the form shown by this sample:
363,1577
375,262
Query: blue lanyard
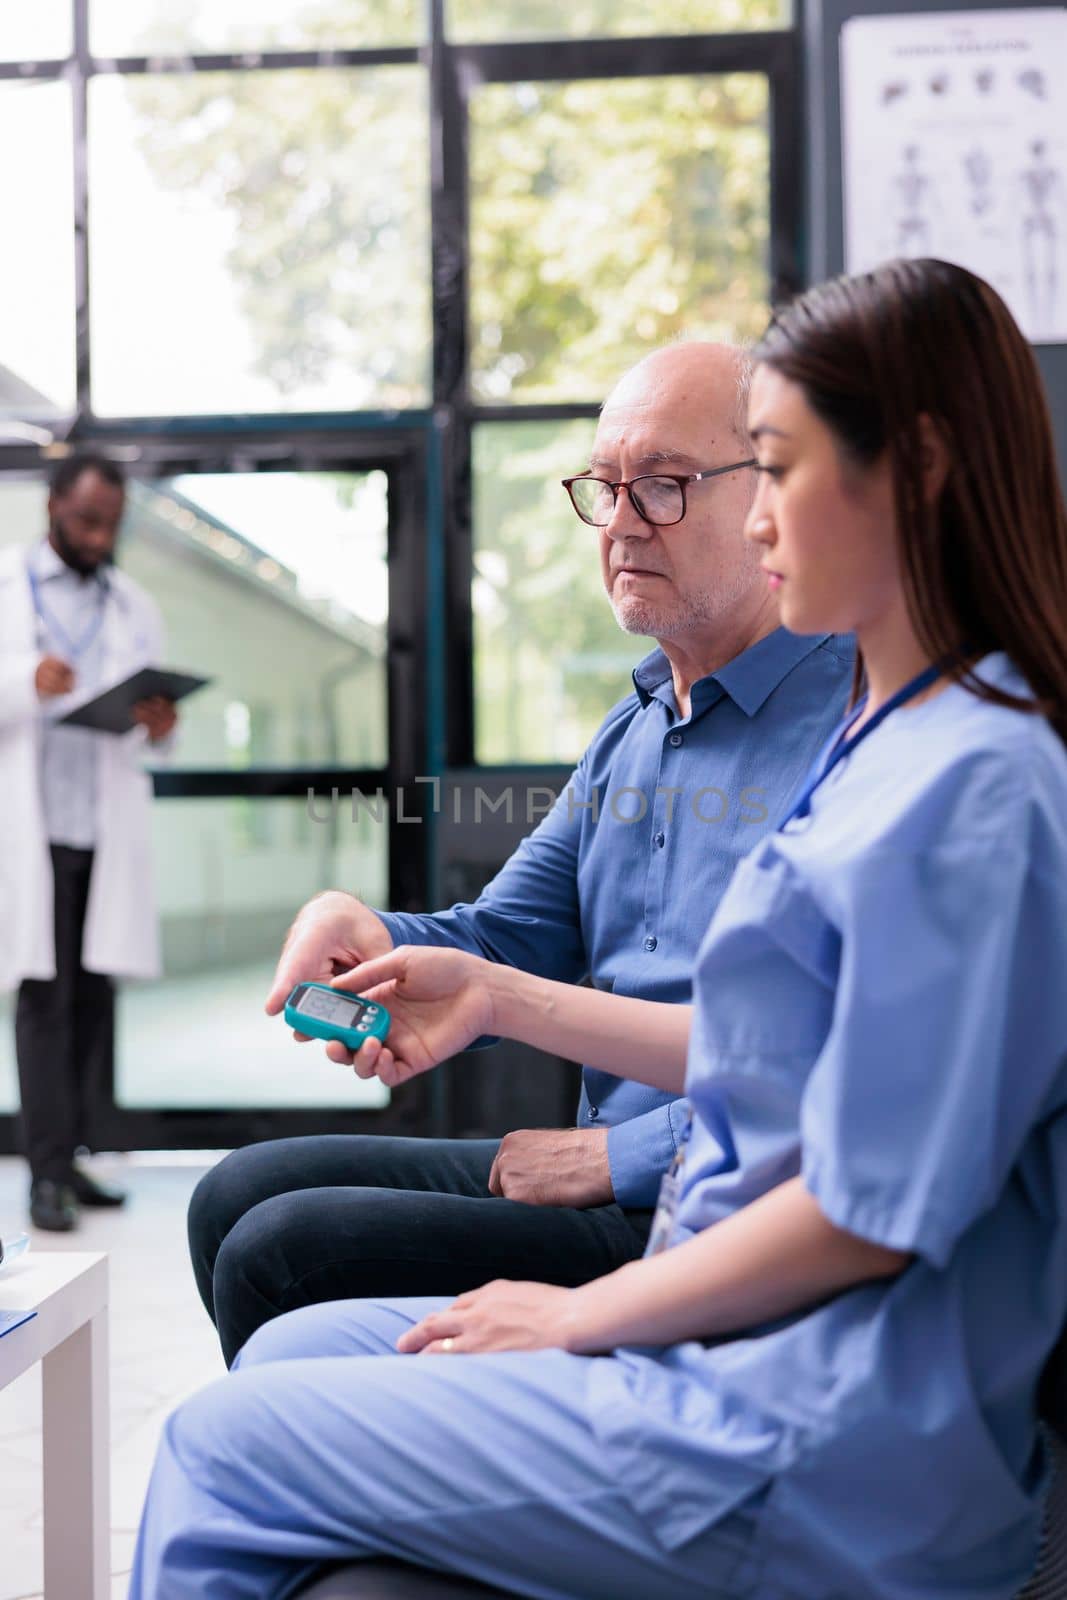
840,745
73,647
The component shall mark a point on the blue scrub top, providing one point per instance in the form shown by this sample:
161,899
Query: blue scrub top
881,1006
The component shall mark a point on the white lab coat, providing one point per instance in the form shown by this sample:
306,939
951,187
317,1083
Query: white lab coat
121,927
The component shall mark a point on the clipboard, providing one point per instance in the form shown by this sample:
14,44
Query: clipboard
112,710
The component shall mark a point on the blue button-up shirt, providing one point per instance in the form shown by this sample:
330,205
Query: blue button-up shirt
620,880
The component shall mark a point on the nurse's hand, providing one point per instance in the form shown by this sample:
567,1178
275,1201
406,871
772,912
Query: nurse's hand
439,1002
53,676
500,1316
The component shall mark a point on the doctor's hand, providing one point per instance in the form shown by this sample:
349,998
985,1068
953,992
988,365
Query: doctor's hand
53,676
157,715
554,1167
501,1316
331,934
439,1001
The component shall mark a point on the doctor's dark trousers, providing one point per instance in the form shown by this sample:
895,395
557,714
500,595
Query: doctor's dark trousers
64,1032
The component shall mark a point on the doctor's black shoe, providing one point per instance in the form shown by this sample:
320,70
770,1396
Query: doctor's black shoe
91,1192
53,1206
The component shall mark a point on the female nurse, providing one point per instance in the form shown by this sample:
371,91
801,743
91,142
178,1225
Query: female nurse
821,1384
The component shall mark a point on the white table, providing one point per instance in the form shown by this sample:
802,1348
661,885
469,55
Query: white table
68,1336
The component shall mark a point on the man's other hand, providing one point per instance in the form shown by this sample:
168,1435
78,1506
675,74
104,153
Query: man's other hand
332,934
157,715
554,1167
54,676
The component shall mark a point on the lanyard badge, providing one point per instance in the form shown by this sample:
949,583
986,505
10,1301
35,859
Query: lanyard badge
670,1194
51,626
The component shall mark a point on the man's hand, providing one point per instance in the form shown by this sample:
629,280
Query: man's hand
500,1316
53,676
157,715
332,934
554,1167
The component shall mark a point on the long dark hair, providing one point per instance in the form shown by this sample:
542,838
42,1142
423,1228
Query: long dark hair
985,568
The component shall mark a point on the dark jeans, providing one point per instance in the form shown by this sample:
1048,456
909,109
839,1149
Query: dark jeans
64,1032
292,1222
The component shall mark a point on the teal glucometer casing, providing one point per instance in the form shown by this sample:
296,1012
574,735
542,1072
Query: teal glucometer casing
325,1013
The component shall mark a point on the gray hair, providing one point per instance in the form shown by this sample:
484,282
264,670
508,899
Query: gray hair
745,369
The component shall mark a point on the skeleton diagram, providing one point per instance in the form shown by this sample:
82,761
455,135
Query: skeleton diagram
978,170
1043,193
912,196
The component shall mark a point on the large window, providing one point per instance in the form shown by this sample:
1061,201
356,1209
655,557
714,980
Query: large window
343,283
608,217
230,873
252,234
37,298
290,630
551,659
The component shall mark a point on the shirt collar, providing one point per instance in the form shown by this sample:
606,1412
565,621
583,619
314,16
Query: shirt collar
47,565
749,679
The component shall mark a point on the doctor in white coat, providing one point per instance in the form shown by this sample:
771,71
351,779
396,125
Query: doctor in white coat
75,855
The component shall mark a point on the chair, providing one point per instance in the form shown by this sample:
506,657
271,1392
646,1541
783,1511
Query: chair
1049,1581
394,1580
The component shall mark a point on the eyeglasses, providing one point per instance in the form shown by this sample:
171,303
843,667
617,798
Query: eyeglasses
660,500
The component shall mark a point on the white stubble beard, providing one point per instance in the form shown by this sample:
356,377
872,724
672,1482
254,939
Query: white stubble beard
692,612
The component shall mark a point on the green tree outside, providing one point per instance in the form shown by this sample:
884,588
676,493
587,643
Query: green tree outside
607,217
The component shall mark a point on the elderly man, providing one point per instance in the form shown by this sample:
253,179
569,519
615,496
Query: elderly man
725,718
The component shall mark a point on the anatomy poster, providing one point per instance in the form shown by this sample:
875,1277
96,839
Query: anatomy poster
955,145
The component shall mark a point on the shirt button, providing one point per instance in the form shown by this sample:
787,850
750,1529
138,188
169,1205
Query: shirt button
651,942
676,739
659,840
594,1112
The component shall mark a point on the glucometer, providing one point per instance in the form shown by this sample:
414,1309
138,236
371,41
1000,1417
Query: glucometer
325,1013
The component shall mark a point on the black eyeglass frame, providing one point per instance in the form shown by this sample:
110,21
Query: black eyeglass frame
681,479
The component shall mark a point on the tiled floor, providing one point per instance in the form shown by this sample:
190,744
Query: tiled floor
162,1348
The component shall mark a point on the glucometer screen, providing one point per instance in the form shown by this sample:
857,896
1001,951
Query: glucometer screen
337,1008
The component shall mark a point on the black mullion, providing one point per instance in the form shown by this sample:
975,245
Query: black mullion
451,377
448,220
81,67
257,61
531,411
281,444
32,71
409,844
263,783
786,264
662,56
258,430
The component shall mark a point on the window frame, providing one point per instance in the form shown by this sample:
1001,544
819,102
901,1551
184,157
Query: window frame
426,453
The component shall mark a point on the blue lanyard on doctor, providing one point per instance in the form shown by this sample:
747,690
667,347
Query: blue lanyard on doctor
839,746
50,626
